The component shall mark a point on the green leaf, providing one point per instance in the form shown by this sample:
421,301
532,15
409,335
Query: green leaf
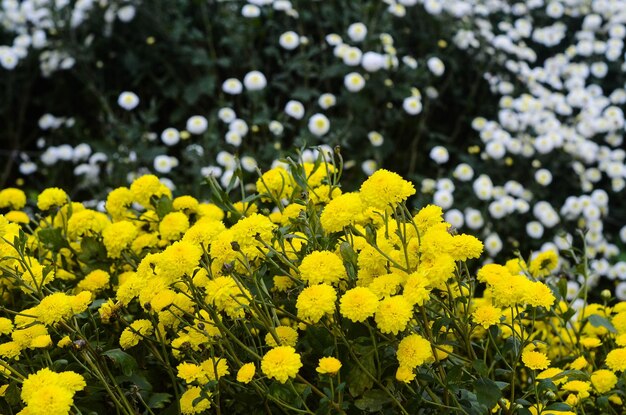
163,206
52,238
558,406
123,360
358,380
158,400
599,321
487,392
480,366
372,401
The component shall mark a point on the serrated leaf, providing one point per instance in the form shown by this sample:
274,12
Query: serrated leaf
123,360
599,321
158,400
372,401
487,392
163,206
52,238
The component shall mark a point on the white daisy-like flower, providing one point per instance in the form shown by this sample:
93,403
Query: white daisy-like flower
226,115
412,105
369,167
354,82
233,138
254,81
294,109
319,125
376,138
436,66
326,101
439,155
197,124
163,164
232,86
170,136
289,40
250,11
128,100
357,32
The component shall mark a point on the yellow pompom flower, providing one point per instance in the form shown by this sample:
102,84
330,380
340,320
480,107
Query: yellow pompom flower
95,281
322,267
464,247
194,401
6,326
118,236
132,335
246,373
286,337
315,302
603,380
543,264
328,366
358,304
146,187
281,363
393,314
275,183
52,197
117,203
428,216
340,212
413,351
535,360
47,392
60,306
384,188
12,198
86,222
186,203
173,226
17,216
405,374
616,359
487,315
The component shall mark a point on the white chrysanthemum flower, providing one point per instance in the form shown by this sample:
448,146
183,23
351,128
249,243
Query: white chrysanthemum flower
249,164
226,160
163,164
493,244
233,138
81,152
170,136
534,229
354,82
27,168
436,66
319,125
294,109
620,291
463,172
211,171
128,100
372,61
239,126
412,105
8,58
473,219
543,177
351,56
495,149
232,86
197,124
250,11
226,115
289,40
376,138
443,199
369,167
229,179
357,32
455,218
439,155
254,81
126,13
333,39
276,127
326,101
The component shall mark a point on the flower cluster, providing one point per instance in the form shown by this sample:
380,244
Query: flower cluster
175,302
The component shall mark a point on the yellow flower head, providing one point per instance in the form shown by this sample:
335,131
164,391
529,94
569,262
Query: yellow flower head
281,363
328,365
246,373
413,351
358,304
52,197
316,301
384,189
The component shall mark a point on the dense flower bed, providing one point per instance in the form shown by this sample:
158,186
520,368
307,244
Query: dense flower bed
300,298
